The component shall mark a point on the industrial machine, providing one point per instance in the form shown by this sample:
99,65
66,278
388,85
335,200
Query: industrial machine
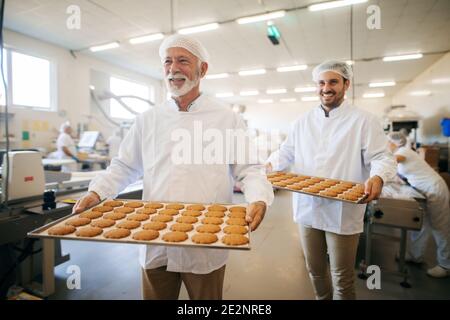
399,117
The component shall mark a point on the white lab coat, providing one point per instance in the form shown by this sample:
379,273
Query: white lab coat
146,151
65,140
437,217
348,145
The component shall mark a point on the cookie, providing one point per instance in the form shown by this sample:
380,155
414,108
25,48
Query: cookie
175,206
275,179
146,235
61,230
196,207
128,224
237,214
295,187
236,221
208,228
154,205
191,213
91,214
329,193
235,229
187,219
212,220
235,239
217,207
103,223
114,215
348,197
77,222
133,204
169,212
204,238
217,214
238,208
147,211
103,209
281,184
113,203
175,236
311,190
315,179
155,225
88,232
125,210
162,218
137,217
185,227
117,233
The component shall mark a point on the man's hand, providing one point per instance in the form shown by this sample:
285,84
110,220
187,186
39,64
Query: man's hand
373,188
87,201
268,167
255,214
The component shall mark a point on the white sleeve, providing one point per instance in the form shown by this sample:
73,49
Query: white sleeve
375,152
124,169
284,156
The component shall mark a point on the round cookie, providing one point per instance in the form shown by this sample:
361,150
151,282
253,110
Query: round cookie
234,229
125,210
114,215
175,236
204,238
155,225
78,222
91,214
154,205
103,223
235,239
61,230
184,227
103,209
237,214
208,228
146,235
217,207
187,219
236,221
133,204
281,184
147,211
162,218
137,217
295,187
275,179
89,232
191,213
127,224
329,193
118,233
217,214
169,212
212,220
175,206
113,203
238,208
196,207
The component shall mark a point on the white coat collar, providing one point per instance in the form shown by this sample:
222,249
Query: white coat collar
334,113
194,106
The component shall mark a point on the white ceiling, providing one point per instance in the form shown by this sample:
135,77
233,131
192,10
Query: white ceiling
408,26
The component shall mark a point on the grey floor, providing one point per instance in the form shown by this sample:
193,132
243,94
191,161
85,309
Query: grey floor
273,269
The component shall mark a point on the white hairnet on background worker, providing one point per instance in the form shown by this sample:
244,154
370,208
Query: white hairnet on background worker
338,67
437,216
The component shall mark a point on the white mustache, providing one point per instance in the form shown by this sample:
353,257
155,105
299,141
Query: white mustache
176,77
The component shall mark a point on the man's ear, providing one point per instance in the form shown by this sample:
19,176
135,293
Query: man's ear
346,84
203,68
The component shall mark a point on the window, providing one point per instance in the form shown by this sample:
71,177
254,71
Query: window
5,75
124,87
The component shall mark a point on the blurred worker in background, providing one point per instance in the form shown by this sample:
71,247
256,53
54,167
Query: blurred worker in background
66,148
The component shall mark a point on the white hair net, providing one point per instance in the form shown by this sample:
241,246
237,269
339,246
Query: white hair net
397,138
64,126
338,67
186,42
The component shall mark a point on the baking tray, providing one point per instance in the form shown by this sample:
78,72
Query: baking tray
284,176
42,231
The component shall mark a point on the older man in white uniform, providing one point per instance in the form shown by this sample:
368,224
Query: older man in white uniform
148,150
334,140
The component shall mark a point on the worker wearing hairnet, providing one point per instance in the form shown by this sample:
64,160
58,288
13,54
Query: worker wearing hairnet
66,148
150,149
339,141
437,217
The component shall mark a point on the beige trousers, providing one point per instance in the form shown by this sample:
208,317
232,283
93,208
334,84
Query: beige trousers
159,284
342,254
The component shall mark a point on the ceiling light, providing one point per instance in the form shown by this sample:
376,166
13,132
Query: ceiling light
288,100
147,38
421,93
102,47
252,72
276,91
205,27
265,101
249,93
350,62
310,98
224,94
382,84
217,76
403,57
333,4
305,89
292,68
373,95
261,17
440,81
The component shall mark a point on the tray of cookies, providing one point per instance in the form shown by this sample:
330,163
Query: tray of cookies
158,223
333,189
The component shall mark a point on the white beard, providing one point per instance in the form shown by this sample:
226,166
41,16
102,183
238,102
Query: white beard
187,86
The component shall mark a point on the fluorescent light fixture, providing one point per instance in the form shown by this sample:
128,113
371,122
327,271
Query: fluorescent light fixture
421,93
249,93
293,68
373,95
224,94
310,98
288,100
305,89
350,62
252,72
440,81
217,76
262,17
403,57
102,47
382,84
147,38
265,101
205,27
276,91
334,4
